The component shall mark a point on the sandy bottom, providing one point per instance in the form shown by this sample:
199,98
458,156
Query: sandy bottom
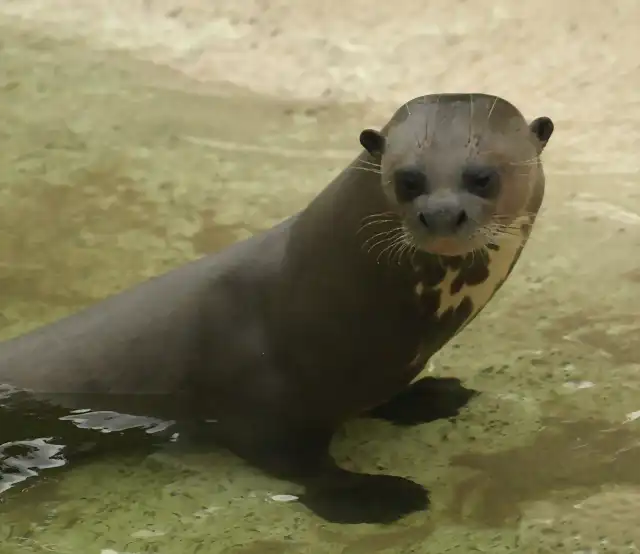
138,135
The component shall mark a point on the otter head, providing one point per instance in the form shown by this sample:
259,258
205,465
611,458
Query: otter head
462,172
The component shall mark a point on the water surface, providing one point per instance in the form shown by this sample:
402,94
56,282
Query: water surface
114,171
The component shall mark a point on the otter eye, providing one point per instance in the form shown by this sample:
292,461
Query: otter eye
409,183
481,181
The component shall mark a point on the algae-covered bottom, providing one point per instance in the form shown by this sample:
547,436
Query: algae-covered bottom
110,176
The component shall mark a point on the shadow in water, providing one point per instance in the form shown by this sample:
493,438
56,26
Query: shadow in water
37,436
567,457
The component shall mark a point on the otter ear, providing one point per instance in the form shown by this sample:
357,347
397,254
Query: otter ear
372,141
542,128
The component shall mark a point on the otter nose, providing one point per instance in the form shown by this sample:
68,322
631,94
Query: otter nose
443,218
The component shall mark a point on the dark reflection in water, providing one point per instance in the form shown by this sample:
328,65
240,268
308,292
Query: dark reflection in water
37,435
568,458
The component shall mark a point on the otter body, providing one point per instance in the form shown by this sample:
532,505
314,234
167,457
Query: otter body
330,315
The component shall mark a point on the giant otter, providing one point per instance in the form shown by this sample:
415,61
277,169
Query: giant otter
329,315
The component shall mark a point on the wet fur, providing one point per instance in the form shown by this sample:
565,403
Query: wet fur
281,338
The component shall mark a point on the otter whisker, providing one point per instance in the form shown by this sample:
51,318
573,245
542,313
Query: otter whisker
386,219
370,164
378,218
531,162
395,241
523,174
492,228
500,226
399,245
381,222
405,244
388,238
378,214
499,216
370,169
495,235
511,231
382,233
513,217
513,226
375,222
495,100
505,228
525,166
512,223
509,223
388,247
379,243
385,236
532,159
403,248
410,249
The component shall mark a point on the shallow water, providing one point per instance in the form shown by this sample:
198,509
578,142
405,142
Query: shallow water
115,170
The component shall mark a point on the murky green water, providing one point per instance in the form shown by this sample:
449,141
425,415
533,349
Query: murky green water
114,171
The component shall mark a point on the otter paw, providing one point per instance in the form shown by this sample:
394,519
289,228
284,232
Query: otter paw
367,499
426,400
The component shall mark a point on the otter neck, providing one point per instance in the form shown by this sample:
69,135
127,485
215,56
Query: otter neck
346,233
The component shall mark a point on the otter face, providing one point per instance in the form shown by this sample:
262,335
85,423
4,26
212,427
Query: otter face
460,170
446,219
